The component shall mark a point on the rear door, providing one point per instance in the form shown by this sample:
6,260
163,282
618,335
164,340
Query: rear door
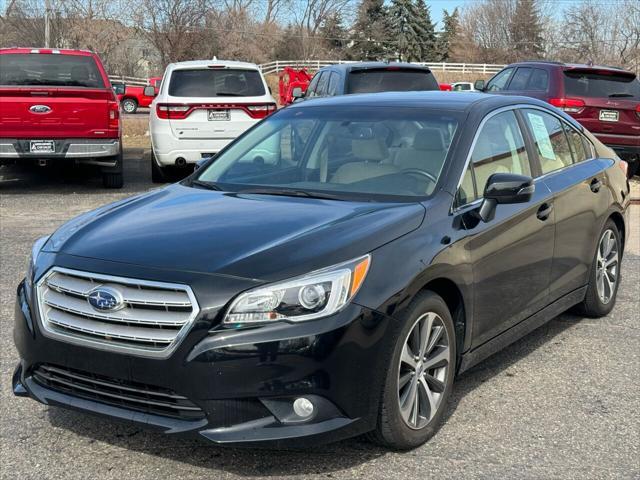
580,196
218,103
52,96
610,102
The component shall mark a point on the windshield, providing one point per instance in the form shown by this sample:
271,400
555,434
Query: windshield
391,80
605,84
342,150
216,83
57,70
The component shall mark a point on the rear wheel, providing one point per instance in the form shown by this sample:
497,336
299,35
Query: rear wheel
605,274
158,173
113,177
420,376
129,105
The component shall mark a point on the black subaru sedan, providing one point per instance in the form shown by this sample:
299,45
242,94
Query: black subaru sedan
329,273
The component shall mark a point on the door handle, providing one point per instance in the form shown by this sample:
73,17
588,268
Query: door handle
544,211
595,185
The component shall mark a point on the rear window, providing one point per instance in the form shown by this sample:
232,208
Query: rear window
390,80
216,83
595,84
50,70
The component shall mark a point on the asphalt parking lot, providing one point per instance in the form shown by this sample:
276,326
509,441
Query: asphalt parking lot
561,403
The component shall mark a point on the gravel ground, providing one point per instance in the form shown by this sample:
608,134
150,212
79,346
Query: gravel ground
561,403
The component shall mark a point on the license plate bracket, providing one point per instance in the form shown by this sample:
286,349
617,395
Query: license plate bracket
42,146
218,115
609,115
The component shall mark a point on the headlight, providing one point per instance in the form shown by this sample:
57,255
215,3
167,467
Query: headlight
318,294
35,250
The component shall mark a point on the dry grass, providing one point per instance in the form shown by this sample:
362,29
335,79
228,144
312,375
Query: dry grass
135,132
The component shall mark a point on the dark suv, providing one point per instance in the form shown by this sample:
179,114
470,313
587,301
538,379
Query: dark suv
369,77
606,100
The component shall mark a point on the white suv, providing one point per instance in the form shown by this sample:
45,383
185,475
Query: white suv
201,106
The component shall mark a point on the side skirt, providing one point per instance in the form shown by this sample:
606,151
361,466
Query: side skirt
523,328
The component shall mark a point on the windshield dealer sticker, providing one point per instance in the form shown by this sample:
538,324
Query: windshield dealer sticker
542,135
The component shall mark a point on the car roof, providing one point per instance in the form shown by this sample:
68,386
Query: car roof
55,51
433,99
569,66
347,67
214,62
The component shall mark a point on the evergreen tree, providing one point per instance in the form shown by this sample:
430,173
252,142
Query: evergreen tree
411,29
334,35
370,39
526,30
446,41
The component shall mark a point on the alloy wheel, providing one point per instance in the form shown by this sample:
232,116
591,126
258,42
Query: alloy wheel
423,370
607,266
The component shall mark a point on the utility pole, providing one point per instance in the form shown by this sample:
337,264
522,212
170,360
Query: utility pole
47,27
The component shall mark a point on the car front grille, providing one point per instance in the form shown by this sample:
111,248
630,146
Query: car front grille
151,318
129,395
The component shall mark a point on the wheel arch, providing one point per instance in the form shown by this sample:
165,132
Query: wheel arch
453,296
618,219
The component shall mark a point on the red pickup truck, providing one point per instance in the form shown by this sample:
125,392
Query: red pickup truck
132,97
58,105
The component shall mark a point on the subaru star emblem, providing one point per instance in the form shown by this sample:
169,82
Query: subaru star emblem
105,299
40,108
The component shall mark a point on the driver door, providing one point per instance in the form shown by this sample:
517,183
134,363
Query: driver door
511,255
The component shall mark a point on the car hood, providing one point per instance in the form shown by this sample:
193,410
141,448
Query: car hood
255,236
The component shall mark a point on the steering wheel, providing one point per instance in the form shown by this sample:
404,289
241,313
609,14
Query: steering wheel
417,171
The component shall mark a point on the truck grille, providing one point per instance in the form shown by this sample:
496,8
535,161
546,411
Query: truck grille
129,395
145,318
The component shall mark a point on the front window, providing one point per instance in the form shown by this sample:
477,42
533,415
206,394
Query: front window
224,82
363,152
49,70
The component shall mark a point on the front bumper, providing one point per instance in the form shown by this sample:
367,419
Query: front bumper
93,151
244,381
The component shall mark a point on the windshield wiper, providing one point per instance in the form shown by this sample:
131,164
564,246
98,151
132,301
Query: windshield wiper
228,94
207,185
290,193
620,95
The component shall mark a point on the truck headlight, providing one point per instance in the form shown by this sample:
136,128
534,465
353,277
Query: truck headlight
315,295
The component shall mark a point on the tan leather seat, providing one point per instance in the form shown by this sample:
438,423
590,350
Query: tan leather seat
427,152
370,152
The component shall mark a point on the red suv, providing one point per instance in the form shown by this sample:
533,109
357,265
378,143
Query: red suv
59,105
605,100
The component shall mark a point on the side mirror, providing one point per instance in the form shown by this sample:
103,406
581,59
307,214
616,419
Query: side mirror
149,91
505,188
201,162
297,92
479,85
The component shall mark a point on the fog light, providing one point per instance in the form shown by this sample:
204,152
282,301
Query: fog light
303,407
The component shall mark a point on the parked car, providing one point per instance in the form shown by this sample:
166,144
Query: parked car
368,77
132,97
390,242
288,80
445,87
605,100
463,87
58,105
202,106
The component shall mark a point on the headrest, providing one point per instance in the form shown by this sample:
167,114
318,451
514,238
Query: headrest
369,149
428,139
80,72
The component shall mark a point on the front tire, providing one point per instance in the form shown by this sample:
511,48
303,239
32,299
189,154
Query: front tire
129,105
604,278
420,377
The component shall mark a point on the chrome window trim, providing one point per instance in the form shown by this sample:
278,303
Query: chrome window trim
487,117
110,347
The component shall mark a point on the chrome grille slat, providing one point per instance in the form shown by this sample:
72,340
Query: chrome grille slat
154,318
127,315
82,287
108,330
